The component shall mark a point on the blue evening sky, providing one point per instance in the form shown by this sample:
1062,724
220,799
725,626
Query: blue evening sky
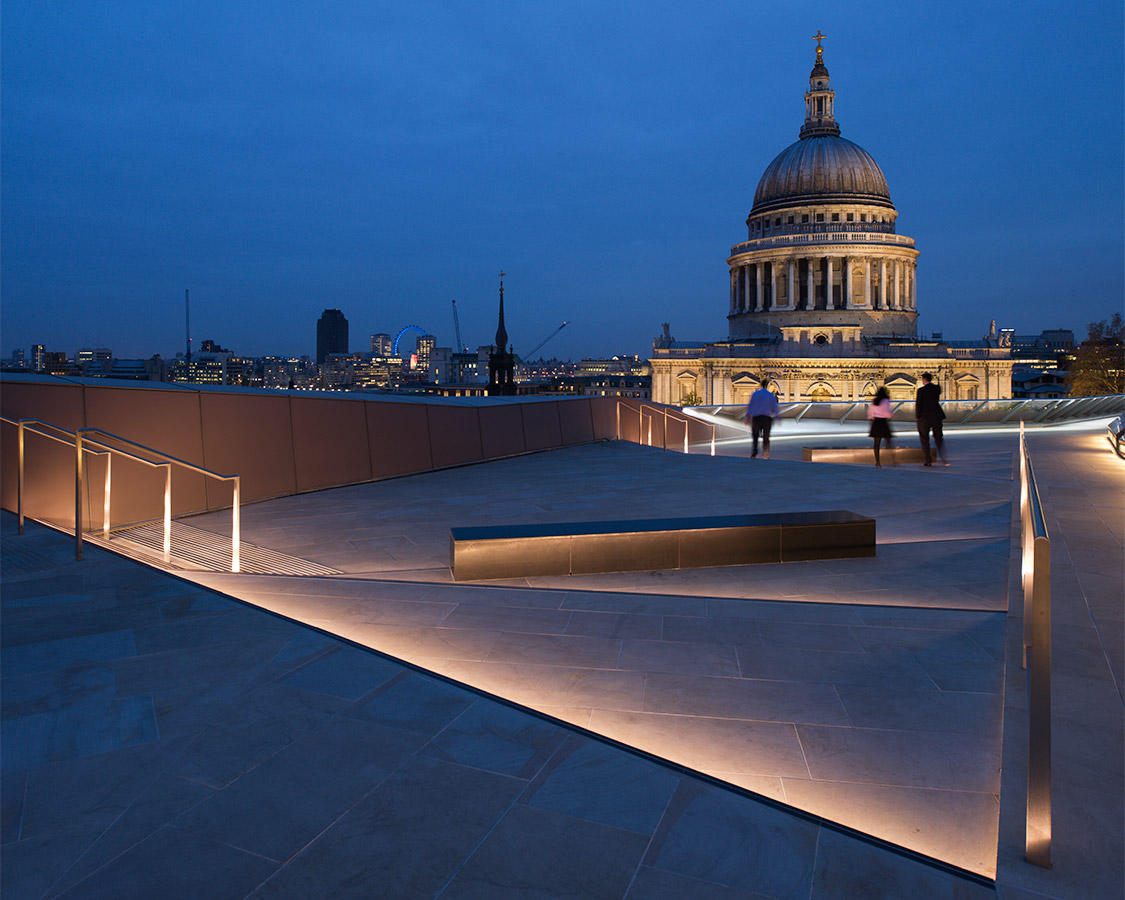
388,156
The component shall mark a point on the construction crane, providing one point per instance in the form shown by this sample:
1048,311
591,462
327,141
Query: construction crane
461,348
542,342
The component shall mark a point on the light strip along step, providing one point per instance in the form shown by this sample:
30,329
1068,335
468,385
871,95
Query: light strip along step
199,550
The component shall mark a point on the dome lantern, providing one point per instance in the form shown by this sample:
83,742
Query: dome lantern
819,118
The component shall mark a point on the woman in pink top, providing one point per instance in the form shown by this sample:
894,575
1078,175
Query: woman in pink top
879,412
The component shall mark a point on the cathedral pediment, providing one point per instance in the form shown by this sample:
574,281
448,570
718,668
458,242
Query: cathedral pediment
901,379
744,379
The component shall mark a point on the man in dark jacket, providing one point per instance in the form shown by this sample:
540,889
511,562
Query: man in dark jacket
928,412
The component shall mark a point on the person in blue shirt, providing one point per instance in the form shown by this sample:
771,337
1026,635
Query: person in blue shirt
760,413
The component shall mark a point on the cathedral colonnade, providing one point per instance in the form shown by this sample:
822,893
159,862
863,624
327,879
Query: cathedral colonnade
799,282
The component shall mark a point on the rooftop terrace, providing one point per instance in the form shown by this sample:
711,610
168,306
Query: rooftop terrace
732,732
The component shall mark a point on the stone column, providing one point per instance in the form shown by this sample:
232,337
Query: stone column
914,288
758,282
734,289
793,287
846,282
773,285
828,286
811,285
897,295
883,300
867,282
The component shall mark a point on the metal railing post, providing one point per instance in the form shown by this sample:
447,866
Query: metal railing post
105,502
236,524
167,513
19,480
79,487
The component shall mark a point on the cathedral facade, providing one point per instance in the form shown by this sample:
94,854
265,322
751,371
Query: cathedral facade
823,293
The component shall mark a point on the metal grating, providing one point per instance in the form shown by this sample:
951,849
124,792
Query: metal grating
194,548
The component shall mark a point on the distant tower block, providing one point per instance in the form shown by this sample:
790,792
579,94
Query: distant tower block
331,334
381,344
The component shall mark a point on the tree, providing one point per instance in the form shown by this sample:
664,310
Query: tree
1099,364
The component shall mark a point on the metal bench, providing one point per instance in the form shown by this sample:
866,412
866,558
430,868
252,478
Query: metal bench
582,548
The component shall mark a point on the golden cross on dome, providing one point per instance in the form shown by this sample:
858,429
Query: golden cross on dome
818,37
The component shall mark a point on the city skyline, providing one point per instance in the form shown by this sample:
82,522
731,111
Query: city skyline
385,162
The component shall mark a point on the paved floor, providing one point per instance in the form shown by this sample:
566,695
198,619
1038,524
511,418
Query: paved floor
868,691
790,696
163,741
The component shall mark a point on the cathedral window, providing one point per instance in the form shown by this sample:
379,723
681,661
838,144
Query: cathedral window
835,217
863,217
805,217
777,221
790,220
820,217
851,218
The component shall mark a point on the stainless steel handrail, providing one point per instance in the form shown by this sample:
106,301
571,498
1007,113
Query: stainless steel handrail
1036,577
651,411
83,445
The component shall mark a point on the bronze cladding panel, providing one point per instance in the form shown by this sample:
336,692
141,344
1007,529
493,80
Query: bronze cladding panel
501,430
517,558
454,434
631,552
704,547
168,421
541,425
630,429
249,435
575,420
58,404
48,477
842,540
399,437
603,412
329,442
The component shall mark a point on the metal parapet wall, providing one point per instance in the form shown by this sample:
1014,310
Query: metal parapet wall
279,443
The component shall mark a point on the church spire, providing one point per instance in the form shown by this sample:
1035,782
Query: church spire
501,331
819,118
